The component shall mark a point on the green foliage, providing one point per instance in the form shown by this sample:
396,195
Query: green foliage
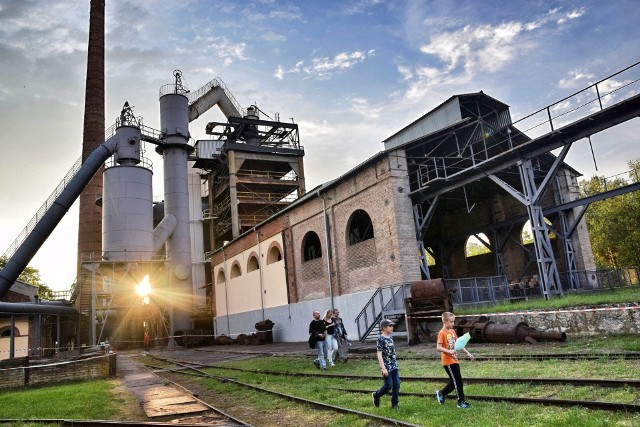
31,276
614,223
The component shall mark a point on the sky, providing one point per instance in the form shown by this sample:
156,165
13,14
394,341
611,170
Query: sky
350,73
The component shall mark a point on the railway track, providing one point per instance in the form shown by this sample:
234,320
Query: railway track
634,355
184,367
188,368
597,382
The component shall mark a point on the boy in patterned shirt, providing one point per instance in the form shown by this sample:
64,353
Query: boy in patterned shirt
388,365
449,357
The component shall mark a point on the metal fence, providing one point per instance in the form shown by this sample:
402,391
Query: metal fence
480,290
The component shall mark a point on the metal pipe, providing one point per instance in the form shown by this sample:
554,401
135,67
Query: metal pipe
326,240
33,308
54,214
260,272
12,342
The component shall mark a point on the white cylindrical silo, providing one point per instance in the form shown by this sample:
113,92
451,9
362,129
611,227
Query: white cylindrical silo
127,214
174,116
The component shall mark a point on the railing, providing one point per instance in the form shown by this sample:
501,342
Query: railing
122,256
597,96
145,162
602,279
275,175
43,209
483,290
614,181
384,298
617,87
216,82
476,290
249,196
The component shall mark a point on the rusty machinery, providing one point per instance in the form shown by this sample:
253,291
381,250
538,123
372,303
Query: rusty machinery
482,329
429,299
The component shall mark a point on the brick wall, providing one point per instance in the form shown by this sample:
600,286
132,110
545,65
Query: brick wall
68,371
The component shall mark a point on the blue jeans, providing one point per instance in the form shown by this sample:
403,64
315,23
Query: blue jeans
321,346
392,382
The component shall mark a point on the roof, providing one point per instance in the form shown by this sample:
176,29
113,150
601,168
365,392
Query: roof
443,116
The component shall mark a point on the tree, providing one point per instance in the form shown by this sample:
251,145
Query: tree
31,276
614,223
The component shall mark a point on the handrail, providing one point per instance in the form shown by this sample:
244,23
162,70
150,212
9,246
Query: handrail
598,97
216,82
43,209
576,93
377,304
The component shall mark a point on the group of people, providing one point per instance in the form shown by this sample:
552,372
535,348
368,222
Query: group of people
329,337
323,333
446,346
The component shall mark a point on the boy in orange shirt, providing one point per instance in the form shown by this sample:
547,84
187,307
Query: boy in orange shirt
449,357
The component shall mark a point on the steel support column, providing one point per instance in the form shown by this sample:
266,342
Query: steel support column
549,276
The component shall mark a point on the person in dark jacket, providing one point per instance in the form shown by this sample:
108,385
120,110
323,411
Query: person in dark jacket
318,330
341,336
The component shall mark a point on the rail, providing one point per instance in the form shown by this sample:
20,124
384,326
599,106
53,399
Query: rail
603,92
389,297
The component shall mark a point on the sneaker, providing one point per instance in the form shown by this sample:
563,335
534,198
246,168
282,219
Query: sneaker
395,407
317,363
440,397
332,364
463,405
375,400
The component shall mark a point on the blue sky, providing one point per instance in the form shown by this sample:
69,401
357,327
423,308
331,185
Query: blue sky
350,73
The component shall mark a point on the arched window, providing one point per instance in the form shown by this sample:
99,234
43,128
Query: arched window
274,254
253,264
360,227
526,236
221,278
5,332
477,244
311,247
235,270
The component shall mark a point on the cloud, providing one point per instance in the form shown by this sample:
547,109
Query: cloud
359,6
575,79
324,67
271,36
361,107
291,13
458,56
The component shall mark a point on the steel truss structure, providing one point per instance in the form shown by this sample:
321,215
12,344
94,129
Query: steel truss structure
471,151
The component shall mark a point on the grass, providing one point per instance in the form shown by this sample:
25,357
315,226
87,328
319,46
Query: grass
613,296
426,411
78,401
96,400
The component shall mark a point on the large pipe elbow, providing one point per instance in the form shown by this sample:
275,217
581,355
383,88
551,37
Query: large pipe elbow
163,231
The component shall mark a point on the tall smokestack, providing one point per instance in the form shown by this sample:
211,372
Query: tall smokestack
90,224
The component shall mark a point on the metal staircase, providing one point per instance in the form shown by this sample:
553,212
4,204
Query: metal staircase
386,303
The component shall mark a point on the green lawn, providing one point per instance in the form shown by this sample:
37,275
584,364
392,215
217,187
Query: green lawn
427,412
614,296
96,400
